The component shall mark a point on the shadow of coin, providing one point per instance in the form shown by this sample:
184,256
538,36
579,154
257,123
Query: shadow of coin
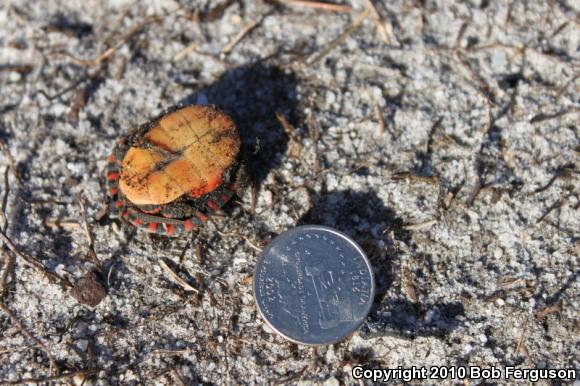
376,228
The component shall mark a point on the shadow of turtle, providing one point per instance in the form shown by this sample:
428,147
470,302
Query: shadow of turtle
252,95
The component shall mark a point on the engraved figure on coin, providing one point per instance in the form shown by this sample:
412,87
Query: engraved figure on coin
331,292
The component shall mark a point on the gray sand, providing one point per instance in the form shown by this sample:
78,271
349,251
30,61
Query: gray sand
465,197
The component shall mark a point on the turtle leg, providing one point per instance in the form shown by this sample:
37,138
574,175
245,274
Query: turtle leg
164,225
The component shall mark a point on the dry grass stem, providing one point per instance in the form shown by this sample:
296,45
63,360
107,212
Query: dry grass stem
65,224
423,225
385,30
111,51
185,51
4,148
175,277
317,5
238,38
380,119
88,233
341,38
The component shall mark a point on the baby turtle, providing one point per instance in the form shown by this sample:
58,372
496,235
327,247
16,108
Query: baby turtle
170,174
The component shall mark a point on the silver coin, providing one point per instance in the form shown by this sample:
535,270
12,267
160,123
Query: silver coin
313,285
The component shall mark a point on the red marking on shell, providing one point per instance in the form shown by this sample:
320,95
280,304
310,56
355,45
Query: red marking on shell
202,217
118,204
112,159
188,225
125,214
112,176
113,191
152,211
152,226
137,221
224,197
169,229
212,205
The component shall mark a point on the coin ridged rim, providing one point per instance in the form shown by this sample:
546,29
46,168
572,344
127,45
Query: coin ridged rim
354,244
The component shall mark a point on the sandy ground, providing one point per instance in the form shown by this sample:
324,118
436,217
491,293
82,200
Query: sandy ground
446,144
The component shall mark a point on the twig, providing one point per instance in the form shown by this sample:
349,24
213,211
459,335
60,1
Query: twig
22,68
484,88
342,37
170,351
254,198
185,51
426,224
522,336
408,284
79,102
206,289
562,172
34,263
545,116
177,377
8,256
488,117
555,205
288,128
508,13
380,119
6,151
66,224
88,234
385,29
109,52
176,278
5,199
411,177
216,12
7,270
541,314
564,11
484,131
459,36
122,67
565,86
317,5
295,147
230,46
66,90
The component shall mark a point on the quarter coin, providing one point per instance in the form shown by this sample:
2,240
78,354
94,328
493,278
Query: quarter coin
313,285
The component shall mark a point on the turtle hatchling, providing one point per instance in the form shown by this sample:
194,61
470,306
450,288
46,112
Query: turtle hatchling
169,175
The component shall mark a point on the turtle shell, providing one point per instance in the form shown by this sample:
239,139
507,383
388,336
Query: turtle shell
172,168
